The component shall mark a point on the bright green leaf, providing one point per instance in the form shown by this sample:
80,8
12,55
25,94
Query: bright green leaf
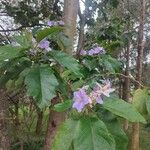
48,31
61,107
139,100
77,85
123,109
41,84
87,133
66,61
121,139
10,70
9,52
25,40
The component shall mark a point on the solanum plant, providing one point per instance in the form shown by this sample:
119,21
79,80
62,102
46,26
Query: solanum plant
37,62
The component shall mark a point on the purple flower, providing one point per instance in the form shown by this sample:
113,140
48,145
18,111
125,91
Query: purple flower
96,50
91,52
61,23
80,99
99,100
44,44
95,95
106,89
83,52
100,91
50,23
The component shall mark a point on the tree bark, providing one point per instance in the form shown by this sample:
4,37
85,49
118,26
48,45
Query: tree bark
70,17
55,118
81,31
126,91
54,121
135,127
4,121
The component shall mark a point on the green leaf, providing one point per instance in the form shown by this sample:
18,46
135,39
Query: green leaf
139,100
24,40
91,64
121,139
63,40
9,52
41,84
123,109
77,85
47,31
61,107
111,64
11,69
87,133
66,61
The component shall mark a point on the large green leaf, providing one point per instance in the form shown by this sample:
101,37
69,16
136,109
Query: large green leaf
9,52
41,84
119,135
48,31
63,41
123,109
66,61
110,64
86,133
139,100
24,40
10,70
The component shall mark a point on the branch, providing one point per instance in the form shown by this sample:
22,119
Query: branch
119,74
20,28
7,38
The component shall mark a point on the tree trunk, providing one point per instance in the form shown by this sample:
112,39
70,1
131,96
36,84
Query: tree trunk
55,118
4,121
126,91
81,31
54,121
139,62
70,17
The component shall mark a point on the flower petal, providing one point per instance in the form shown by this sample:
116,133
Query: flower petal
99,100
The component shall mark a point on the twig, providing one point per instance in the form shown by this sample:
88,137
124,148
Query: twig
21,27
120,74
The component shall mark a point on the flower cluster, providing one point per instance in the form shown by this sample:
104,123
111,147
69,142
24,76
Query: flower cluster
55,23
81,98
44,44
94,51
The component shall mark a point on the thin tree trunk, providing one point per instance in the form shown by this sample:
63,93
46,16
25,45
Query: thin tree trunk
81,31
70,18
126,92
135,127
4,121
55,118
54,121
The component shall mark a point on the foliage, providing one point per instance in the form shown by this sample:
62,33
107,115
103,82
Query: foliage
123,109
41,84
51,77
83,133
